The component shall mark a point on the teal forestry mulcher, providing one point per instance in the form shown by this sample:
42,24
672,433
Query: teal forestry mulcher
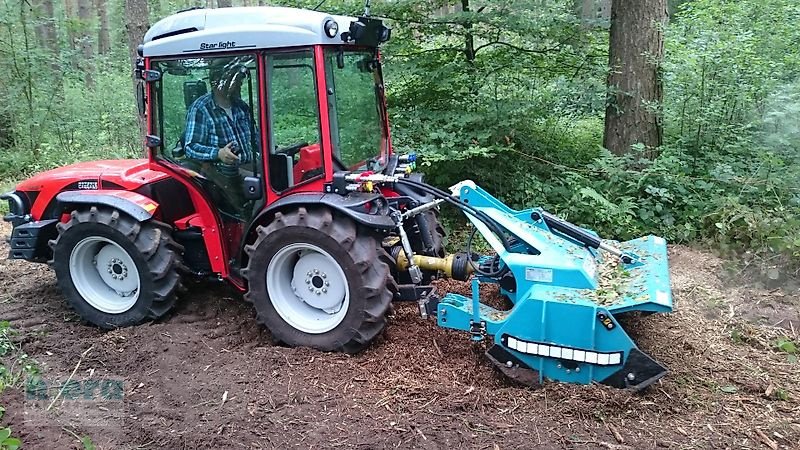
269,165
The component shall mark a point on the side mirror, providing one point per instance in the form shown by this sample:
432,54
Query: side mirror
252,188
141,99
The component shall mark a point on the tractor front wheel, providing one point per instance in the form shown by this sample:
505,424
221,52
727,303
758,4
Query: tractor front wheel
113,270
319,280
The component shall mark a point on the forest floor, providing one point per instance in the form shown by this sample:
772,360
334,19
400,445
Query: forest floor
208,377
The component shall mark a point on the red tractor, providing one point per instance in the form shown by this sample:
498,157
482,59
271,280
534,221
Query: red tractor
270,166
250,114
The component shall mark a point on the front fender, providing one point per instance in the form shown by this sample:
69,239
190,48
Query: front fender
135,205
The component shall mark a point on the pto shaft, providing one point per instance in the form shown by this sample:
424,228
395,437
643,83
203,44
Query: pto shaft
455,266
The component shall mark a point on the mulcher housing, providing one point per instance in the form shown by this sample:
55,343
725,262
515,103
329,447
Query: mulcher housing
567,299
321,234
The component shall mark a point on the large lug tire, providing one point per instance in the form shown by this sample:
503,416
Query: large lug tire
319,280
114,271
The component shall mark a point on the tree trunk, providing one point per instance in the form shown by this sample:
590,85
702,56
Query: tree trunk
71,11
636,49
136,24
469,40
103,36
224,3
86,44
6,121
46,25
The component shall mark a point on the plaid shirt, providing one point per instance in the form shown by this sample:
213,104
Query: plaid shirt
208,128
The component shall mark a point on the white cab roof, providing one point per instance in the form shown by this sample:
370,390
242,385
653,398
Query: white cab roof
226,29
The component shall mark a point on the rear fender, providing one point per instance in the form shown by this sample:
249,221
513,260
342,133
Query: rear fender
353,206
133,204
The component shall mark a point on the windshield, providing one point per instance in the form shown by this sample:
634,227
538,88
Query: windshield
355,105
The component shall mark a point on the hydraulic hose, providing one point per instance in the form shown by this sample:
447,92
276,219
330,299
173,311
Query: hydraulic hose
480,215
483,217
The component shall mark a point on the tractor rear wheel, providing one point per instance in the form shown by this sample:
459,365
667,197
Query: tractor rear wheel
319,280
437,233
113,270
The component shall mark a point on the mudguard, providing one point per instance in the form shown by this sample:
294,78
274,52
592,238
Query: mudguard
135,205
352,205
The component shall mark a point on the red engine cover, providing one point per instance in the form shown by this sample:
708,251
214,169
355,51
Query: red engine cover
125,174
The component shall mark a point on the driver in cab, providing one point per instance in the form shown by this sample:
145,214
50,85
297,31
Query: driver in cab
219,133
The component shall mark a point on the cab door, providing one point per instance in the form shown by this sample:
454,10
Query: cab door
208,118
294,146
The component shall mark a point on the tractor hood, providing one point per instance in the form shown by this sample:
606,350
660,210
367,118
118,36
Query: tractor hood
122,174
126,174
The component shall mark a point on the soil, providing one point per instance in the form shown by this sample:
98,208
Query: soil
208,377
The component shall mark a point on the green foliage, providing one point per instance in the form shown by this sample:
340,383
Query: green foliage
524,118
87,443
509,93
7,442
781,394
16,364
786,345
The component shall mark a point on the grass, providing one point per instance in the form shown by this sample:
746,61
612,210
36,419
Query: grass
16,365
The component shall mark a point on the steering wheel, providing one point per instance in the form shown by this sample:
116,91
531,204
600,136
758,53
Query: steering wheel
291,150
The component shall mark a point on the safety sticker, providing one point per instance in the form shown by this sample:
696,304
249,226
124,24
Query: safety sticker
540,275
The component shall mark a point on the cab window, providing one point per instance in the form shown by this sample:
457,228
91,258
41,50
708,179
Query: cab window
294,132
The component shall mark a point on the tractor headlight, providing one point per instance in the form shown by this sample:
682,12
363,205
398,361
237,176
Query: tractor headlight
331,28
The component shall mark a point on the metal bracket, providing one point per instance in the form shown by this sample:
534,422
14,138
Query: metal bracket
152,141
428,305
149,75
477,330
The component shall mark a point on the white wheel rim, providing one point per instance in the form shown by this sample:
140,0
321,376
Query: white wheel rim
104,274
308,288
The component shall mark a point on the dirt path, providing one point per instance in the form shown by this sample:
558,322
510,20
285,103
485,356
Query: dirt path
208,377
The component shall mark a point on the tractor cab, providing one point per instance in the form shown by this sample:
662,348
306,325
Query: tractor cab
251,105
